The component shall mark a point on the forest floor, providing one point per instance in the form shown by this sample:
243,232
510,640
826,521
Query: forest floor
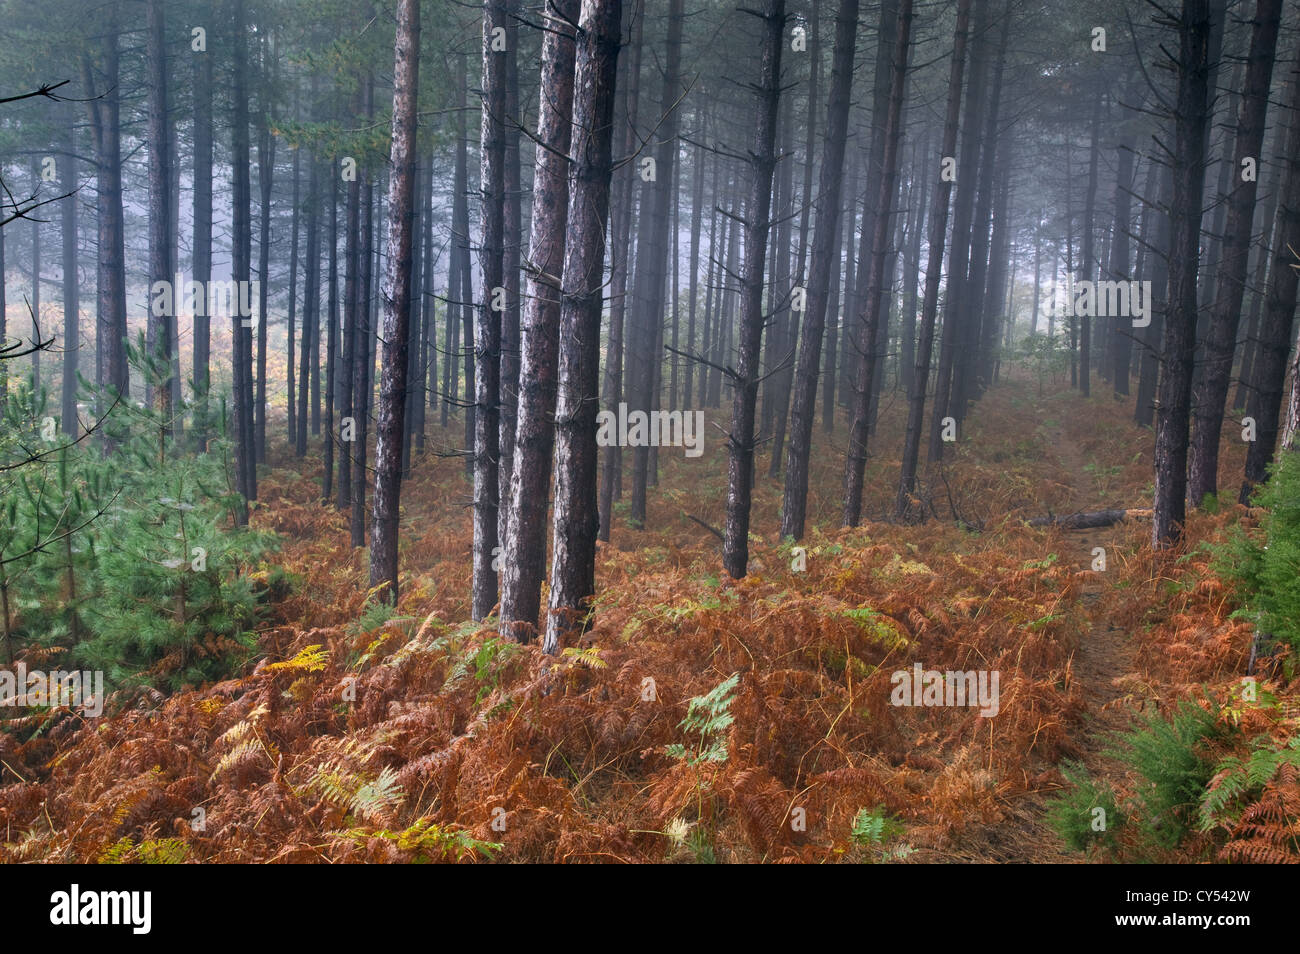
421,736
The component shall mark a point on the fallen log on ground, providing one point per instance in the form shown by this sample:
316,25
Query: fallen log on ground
1087,520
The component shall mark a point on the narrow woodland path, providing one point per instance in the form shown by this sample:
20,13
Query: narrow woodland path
1103,658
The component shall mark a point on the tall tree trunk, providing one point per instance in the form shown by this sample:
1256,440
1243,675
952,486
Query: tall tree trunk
794,503
524,563
202,255
460,225
740,442
573,561
856,458
1279,312
968,178
904,505
813,107
364,336
351,342
103,104
1211,392
1089,264
651,271
265,175
1173,412
623,194
71,287
310,304
1149,365
510,356
241,265
160,197
487,340
332,346
397,303
1125,183
907,354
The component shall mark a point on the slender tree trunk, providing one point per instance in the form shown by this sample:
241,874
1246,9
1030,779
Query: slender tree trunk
856,457
907,355
202,254
813,107
160,196
1279,314
331,346
651,272
624,192
310,304
364,336
740,442
1089,264
794,504
265,174
110,320
956,292
524,563
1149,365
487,341
1211,391
906,504
390,426
1125,182
71,288
460,224
510,356
573,562
351,341
1173,413
241,265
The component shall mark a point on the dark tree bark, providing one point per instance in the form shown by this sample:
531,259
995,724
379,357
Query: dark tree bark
573,561
202,252
397,303
37,333
331,346
241,264
813,107
1149,364
651,271
1279,314
351,341
160,197
510,356
1211,391
265,175
361,375
740,442
291,383
1125,183
103,104
310,305
692,281
622,196
1089,263
71,286
903,506
912,269
968,178
524,563
856,456
487,340
794,501
1173,413
460,225
1259,285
